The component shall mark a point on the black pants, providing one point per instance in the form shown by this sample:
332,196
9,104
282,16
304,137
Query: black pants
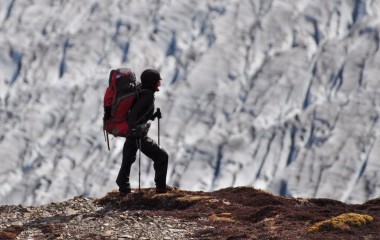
150,148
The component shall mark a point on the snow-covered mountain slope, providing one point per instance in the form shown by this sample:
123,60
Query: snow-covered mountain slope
277,94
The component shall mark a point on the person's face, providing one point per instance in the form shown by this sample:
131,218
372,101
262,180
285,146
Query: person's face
158,85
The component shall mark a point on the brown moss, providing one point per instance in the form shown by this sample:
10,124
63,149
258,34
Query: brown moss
375,201
254,214
8,235
11,232
342,222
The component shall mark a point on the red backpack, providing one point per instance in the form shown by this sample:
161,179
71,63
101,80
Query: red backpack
118,99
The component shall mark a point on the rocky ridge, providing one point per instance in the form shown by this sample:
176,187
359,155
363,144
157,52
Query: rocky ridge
83,218
231,213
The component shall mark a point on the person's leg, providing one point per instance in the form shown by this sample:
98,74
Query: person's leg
160,160
129,157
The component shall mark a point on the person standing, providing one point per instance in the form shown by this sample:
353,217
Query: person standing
141,112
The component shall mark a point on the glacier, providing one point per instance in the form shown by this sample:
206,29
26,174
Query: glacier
281,95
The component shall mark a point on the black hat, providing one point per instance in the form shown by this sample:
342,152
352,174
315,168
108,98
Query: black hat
150,78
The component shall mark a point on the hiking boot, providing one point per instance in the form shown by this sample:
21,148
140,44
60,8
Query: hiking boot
125,191
164,189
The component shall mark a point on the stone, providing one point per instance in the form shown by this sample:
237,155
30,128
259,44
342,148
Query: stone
78,218
126,236
70,211
107,233
88,219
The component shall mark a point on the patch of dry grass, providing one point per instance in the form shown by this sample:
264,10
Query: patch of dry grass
342,222
225,217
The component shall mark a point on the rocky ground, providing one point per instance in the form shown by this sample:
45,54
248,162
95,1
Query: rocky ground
231,213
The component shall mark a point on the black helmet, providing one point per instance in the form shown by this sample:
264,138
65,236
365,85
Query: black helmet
150,78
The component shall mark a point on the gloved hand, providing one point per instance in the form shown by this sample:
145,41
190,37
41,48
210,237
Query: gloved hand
157,114
136,132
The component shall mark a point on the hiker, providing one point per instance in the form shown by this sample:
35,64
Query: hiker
142,111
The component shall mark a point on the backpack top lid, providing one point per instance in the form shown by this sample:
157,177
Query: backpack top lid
124,70
125,74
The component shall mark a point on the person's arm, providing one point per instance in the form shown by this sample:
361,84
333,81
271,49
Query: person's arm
142,107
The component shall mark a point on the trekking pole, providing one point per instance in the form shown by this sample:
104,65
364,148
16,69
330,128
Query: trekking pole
106,135
108,142
159,112
139,146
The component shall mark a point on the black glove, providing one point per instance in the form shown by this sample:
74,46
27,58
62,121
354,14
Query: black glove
136,132
157,114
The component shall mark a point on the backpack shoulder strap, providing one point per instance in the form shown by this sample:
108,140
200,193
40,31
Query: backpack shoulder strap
148,110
